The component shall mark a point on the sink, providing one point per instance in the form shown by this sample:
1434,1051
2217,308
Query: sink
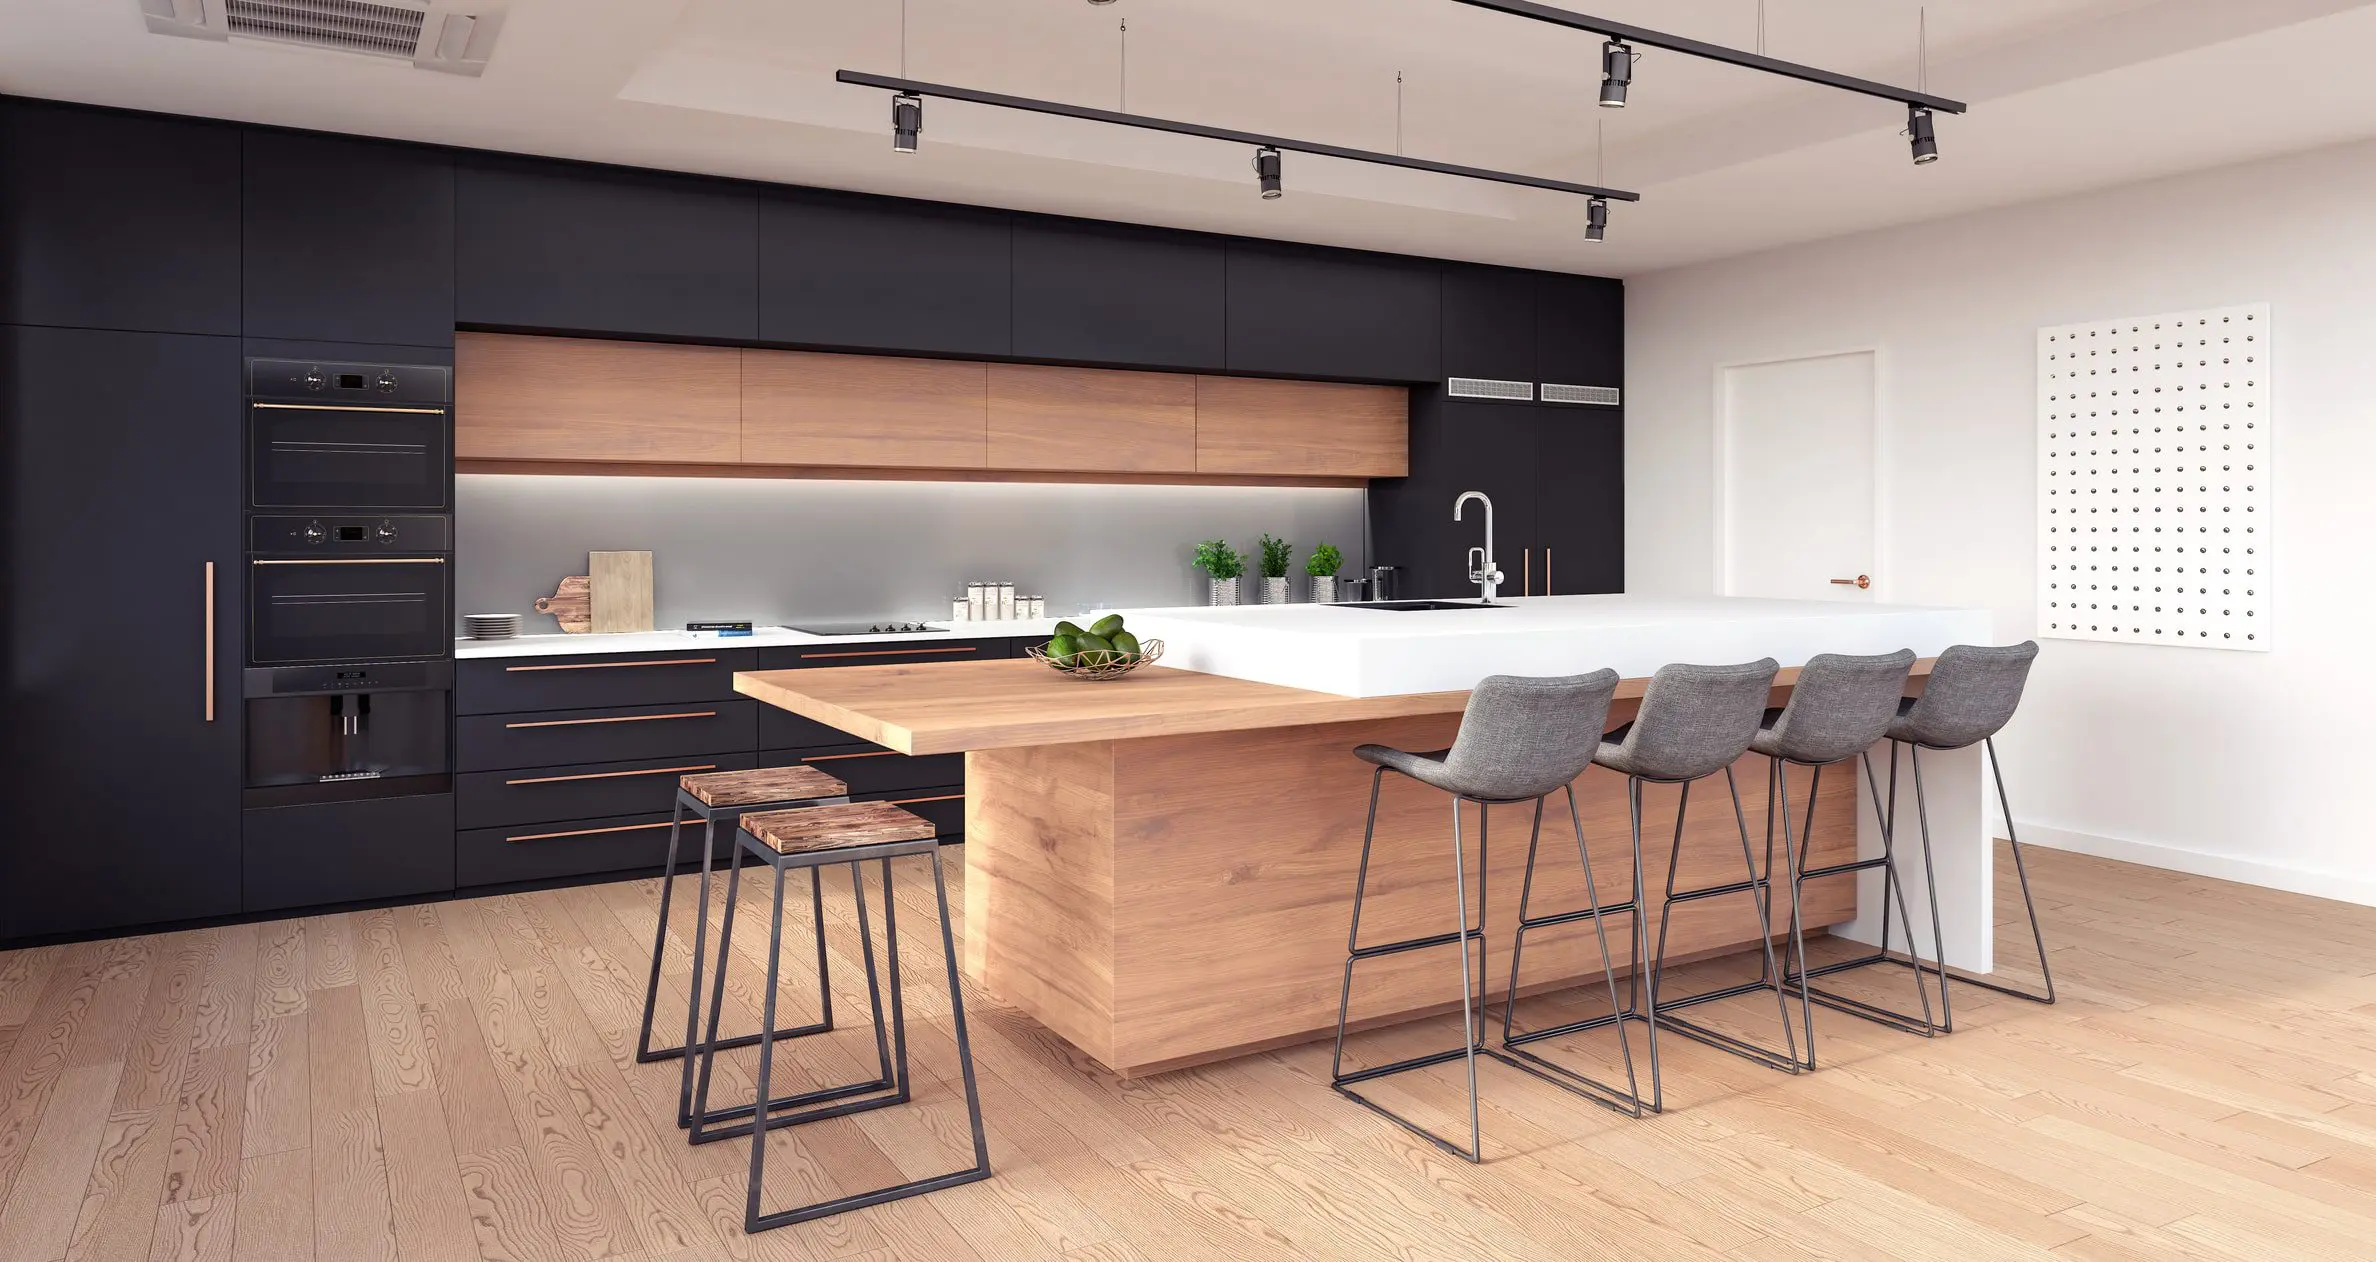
1412,605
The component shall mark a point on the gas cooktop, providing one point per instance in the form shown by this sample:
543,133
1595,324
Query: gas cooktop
869,628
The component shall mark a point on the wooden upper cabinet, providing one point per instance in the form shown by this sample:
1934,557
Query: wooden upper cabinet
1258,427
864,411
1091,420
553,398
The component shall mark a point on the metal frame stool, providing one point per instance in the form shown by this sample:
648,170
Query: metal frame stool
813,838
1693,722
714,797
1839,709
1520,740
1972,693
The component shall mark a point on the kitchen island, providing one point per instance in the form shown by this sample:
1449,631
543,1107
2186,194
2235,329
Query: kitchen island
1160,870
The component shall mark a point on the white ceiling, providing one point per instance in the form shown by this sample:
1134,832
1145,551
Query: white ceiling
2065,95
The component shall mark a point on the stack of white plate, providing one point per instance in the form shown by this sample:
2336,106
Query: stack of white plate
491,626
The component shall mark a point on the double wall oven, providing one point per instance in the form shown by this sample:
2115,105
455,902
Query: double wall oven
349,629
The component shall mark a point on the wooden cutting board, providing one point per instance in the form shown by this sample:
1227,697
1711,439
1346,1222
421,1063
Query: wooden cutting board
572,605
622,591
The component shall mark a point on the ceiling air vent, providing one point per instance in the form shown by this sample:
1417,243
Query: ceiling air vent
431,34
1487,388
1593,396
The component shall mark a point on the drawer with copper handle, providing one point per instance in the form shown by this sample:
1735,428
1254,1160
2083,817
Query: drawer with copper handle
530,795
913,652
872,768
944,805
543,852
502,685
548,738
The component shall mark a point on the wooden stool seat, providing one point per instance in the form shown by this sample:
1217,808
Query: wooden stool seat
764,784
813,829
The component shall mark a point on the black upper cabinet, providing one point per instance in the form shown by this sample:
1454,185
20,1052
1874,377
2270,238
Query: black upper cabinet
1106,294
117,221
1489,322
873,273
1300,311
1580,492
1458,445
542,246
121,472
347,240
1579,330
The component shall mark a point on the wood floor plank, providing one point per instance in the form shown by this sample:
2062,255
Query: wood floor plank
119,1209
37,1223
158,1057
208,1124
279,986
225,1009
329,952
276,1191
278,1116
196,1231
399,1062
424,1180
352,1215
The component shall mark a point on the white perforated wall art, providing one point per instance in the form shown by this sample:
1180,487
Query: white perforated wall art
2154,448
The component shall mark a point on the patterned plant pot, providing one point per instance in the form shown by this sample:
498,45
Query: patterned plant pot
1274,590
1225,591
1324,589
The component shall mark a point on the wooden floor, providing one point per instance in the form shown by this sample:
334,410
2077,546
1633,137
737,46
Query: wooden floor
453,1082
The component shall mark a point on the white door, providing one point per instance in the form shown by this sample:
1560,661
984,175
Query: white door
1797,484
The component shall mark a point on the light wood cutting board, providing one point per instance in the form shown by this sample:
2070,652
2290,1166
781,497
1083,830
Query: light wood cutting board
571,605
622,591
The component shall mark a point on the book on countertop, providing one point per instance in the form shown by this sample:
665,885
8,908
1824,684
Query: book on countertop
722,628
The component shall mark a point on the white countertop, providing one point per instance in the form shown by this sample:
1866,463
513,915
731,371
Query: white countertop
760,637
1357,652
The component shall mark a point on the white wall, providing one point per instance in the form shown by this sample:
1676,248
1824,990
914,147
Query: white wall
2251,766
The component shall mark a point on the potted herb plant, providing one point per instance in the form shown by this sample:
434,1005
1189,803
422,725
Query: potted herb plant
1323,565
1275,555
1222,564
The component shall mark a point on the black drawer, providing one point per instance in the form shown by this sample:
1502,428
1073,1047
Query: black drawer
782,729
537,852
498,685
878,653
871,768
943,805
344,852
495,799
548,738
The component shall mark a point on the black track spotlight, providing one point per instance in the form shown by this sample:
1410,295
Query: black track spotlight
1596,219
1924,136
1617,61
1266,169
907,120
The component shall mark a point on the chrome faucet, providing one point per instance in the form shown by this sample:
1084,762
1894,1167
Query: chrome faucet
1482,571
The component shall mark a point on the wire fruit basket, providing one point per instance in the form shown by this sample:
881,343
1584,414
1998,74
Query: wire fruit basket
1094,665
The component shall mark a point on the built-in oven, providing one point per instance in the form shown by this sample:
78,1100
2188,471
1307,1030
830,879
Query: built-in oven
349,437
342,587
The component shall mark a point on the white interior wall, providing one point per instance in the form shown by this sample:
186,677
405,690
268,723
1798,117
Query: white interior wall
2250,766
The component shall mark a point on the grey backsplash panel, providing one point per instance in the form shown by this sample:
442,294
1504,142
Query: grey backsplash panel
773,550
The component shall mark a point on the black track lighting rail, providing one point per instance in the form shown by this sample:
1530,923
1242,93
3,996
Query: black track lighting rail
1060,109
1648,38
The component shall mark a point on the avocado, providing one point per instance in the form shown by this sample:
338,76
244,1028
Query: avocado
1106,626
1062,649
1089,642
1067,628
1126,644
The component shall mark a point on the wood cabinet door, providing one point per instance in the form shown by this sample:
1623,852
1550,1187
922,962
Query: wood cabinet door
1301,428
1091,420
555,398
864,411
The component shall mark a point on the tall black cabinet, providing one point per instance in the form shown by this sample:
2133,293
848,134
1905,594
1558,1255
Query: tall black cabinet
122,476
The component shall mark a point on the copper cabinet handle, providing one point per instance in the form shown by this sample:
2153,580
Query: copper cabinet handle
673,661
1547,571
614,775
207,665
584,832
877,753
358,561
1526,567
1860,582
969,648
346,407
624,718
945,797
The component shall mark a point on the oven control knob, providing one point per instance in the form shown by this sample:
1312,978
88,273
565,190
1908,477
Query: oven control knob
386,382
314,380
386,532
314,532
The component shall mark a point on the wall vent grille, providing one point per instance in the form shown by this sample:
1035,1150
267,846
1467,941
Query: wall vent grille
355,26
1488,388
1591,396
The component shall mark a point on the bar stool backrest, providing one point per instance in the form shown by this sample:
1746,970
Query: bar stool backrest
1841,705
1524,737
1696,720
1972,693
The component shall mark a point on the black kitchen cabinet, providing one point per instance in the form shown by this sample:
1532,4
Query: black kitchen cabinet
1579,530
344,852
848,272
574,249
1489,322
121,712
1302,311
1107,294
117,221
347,240
1579,330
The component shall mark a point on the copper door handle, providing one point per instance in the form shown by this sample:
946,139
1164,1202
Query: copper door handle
207,666
1526,568
1547,570
1860,582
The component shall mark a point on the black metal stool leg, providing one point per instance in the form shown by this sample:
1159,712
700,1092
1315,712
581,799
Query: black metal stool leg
1770,976
644,1054
2028,902
1629,1101
1893,892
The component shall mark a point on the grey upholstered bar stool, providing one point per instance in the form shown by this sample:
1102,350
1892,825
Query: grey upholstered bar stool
1693,722
714,798
1840,707
1520,740
1972,693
